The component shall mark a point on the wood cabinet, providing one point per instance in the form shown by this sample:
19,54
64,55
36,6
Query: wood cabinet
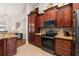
11,46
2,48
8,46
75,6
31,38
32,21
64,16
50,14
40,20
64,47
38,40
59,18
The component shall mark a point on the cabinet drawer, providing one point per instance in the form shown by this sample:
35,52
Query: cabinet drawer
59,44
66,52
67,46
66,42
63,52
63,47
59,40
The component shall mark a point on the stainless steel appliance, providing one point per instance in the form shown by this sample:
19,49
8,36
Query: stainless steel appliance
48,41
76,29
48,38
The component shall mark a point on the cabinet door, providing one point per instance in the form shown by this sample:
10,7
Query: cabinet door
29,23
59,18
38,41
40,20
63,47
52,14
31,38
67,15
2,47
33,22
11,46
46,16
75,6
33,26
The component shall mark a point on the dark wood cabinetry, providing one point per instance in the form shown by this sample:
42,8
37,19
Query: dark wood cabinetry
38,40
64,47
59,18
50,14
40,20
64,16
32,20
11,46
2,51
8,46
31,38
75,6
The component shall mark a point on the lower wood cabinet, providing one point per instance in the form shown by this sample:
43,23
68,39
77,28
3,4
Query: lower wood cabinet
8,46
1,48
64,47
11,46
38,40
31,38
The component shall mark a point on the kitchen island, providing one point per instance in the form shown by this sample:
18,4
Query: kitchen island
7,44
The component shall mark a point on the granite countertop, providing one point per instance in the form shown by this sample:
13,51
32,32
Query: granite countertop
64,37
38,34
59,35
6,35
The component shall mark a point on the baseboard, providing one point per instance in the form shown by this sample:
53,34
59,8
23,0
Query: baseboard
27,41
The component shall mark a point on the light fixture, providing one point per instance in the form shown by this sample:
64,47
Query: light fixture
5,11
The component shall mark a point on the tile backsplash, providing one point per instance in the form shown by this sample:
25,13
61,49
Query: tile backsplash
62,30
59,30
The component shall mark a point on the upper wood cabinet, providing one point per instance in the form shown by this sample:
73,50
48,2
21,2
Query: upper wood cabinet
32,22
67,13
59,18
40,20
50,13
75,6
64,16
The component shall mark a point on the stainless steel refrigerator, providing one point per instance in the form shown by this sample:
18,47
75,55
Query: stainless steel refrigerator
76,32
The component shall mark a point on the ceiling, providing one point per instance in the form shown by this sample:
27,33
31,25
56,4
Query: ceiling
11,9
32,4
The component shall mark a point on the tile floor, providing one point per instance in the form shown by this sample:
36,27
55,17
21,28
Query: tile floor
30,50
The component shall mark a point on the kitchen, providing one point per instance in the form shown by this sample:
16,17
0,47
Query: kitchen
53,30
39,29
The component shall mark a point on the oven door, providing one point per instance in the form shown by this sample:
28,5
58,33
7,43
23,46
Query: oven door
48,43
